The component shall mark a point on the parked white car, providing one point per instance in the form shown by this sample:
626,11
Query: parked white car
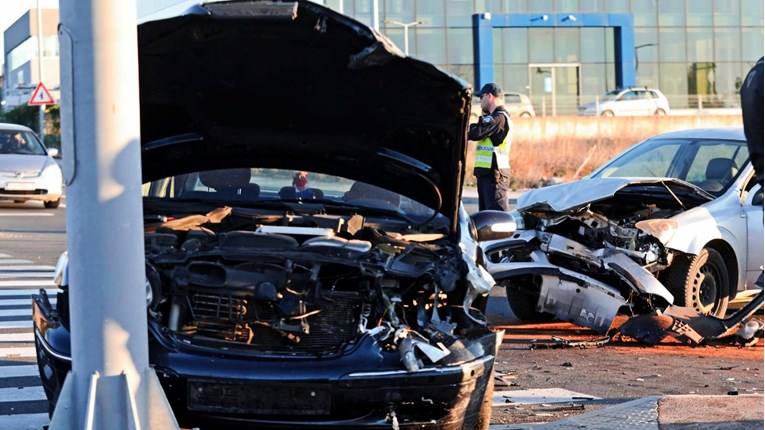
628,102
676,219
27,169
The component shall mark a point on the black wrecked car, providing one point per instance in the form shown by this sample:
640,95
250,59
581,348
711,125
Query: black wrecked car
307,265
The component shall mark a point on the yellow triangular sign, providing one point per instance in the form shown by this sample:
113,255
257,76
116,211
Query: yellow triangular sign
41,96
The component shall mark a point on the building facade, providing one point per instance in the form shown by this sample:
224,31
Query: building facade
695,51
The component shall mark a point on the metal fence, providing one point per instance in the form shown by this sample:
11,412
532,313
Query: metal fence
703,104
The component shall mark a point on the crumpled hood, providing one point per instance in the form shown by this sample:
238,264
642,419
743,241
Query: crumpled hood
27,164
295,85
571,196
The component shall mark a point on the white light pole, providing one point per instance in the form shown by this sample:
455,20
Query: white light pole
406,26
40,67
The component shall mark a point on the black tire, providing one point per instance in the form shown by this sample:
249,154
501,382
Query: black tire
607,113
52,204
660,112
700,282
522,297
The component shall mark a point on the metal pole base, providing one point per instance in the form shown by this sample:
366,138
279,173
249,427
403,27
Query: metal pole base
110,405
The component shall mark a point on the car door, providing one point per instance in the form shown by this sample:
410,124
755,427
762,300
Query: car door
629,103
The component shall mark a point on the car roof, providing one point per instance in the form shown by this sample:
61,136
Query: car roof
9,126
728,133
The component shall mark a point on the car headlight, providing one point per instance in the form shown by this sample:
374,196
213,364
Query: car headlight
51,170
662,229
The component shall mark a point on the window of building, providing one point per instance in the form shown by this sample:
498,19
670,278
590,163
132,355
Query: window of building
24,52
511,45
673,79
699,44
671,12
430,12
672,44
592,43
459,13
540,6
566,6
434,39
566,45
397,10
752,11
728,43
541,45
699,13
644,12
727,12
617,6
752,44
459,45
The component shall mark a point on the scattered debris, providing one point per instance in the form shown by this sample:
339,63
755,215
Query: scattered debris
559,342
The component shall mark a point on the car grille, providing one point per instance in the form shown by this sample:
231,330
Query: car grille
23,192
233,319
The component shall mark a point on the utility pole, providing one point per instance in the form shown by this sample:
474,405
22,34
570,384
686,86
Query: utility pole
111,385
41,126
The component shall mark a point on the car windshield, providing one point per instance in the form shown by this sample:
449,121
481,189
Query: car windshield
710,164
611,95
254,187
20,142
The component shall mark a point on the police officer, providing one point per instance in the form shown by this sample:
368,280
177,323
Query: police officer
752,112
493,134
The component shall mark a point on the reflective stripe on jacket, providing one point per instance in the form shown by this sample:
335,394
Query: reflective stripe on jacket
485,149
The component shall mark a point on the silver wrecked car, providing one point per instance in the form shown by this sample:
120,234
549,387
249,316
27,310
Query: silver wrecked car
676,219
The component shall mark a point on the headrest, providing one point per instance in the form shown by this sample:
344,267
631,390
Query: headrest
225,179
721,169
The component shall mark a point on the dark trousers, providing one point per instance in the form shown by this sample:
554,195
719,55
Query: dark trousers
492,191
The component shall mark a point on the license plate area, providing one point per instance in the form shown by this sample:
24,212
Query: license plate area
20,186
258,398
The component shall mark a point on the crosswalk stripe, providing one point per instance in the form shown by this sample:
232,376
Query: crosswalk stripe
23,394
23,302
4,255
15,313
25,421
16,324
26,267
17,351
16,337
19,371
9,261
28,283
27,292
26,275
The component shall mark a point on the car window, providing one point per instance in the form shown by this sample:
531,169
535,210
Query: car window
714,161
512,98
20,142
250,186
647,160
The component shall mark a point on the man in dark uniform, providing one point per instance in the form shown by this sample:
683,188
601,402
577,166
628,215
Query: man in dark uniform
752,112
493,134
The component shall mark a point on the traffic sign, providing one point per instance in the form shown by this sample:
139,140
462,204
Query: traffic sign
41,96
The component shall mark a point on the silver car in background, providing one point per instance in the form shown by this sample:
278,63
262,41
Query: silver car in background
676,219
27,169
628,102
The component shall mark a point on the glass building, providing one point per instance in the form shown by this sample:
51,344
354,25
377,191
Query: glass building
695,51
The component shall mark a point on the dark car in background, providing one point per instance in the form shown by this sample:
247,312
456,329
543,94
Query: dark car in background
343,302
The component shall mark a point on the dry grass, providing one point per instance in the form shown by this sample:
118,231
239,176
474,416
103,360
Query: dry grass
570,147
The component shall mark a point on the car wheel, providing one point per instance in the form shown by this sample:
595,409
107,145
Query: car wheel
19,201
522,296
525,115
700,282
607,113
660,112
53,204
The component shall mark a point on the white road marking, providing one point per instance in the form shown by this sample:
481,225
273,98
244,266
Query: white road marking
538,395
27,292
23,394
20,351
16,324
27,283
9,261
25,421
16,312
28,267
19,371
23,302
16,337
25,215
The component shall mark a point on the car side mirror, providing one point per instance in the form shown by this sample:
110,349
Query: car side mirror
493,225
53,152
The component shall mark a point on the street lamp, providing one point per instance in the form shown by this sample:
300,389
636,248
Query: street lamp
406,31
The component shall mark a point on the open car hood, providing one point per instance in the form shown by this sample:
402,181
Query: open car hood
572,196
298,86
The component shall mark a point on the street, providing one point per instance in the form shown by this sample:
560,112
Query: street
537,385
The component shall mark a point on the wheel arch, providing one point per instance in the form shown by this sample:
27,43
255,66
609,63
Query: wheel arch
728,255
